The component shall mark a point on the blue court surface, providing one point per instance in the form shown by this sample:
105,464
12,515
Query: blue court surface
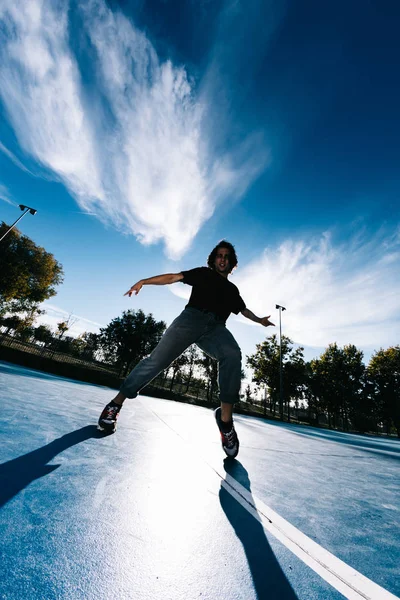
155,512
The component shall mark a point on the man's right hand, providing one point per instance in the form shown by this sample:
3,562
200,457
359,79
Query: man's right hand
135,288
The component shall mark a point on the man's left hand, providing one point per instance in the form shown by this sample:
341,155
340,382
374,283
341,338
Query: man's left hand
266,322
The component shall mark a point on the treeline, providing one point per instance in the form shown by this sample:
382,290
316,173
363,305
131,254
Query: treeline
337,385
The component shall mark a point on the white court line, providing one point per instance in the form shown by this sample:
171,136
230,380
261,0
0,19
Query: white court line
346,580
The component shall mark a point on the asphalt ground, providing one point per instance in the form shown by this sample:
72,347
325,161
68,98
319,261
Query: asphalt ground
154,511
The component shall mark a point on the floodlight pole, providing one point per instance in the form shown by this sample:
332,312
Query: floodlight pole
280,308
27,209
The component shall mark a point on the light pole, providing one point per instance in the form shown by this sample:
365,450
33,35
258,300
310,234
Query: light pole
280,308
27,209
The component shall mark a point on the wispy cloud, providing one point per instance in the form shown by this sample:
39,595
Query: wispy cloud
54,315
14,159
5,195
133,145
334,292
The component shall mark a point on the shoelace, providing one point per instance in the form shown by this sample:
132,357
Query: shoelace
112,412
230,437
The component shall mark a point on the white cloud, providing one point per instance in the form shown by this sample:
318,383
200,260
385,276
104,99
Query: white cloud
14,159
40,88
131,146
345,293
55,314
181,290
5,195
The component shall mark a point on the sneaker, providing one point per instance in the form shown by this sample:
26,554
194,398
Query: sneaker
108,418
230,441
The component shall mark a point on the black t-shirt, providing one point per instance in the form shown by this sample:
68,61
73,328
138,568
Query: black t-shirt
213,292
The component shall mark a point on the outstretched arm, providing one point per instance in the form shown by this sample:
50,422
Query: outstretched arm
262,320
156,280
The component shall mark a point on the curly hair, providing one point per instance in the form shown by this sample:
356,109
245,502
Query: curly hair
233,261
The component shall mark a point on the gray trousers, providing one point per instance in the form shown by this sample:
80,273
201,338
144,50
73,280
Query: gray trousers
209,333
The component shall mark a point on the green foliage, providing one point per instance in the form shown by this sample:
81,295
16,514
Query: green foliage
22,326
43,334
192,356
336,382
66,345
314,388
89,345
62,328
294,374
383,375
210,369
11,323
265,364
25,333
177,366
247,395
129,338
364,408
29,274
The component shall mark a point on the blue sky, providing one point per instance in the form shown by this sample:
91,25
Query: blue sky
144,132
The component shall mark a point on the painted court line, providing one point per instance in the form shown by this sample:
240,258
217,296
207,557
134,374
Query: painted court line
346,580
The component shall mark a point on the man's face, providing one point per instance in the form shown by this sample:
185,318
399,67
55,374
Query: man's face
222,261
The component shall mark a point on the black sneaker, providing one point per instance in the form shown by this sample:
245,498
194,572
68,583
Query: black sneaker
108,418
230,441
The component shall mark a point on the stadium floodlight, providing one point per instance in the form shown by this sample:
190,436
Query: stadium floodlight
33,211
27,209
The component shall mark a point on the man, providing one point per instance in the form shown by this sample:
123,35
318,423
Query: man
202,322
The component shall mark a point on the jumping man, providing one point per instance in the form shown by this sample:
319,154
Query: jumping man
202,322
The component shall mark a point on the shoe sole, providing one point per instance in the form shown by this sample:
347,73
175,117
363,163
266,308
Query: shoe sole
110,429
231,455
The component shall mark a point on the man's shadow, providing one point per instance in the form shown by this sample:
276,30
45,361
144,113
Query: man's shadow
18,473
268,578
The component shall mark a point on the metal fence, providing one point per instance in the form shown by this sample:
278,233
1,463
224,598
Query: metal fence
51,352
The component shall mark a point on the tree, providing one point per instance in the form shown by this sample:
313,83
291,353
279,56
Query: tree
78,347
29,274
247,395
192,356
294,377
383,373
364,410
210,367
340,373
11,323
43,334
265,364
22,327
177,366
64,326
66,345
91,345
313,391
129,338
25,333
